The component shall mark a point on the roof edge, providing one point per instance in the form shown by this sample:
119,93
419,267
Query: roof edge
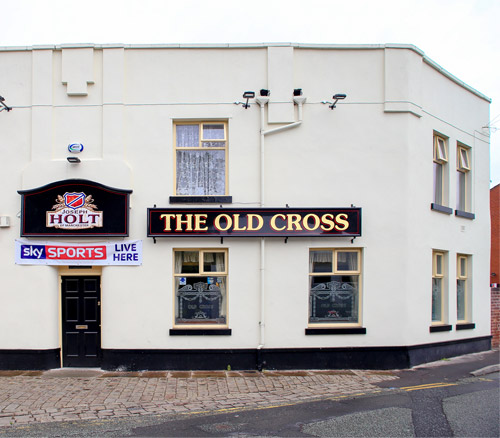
411,47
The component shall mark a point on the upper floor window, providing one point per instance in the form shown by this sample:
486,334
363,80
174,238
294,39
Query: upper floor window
200,158
334,291
463,178
440,169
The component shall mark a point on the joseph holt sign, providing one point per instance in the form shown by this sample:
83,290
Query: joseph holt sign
74,211
74,207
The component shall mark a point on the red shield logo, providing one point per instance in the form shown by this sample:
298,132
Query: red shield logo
74,200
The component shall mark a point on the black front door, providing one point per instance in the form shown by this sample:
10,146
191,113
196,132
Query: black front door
81,321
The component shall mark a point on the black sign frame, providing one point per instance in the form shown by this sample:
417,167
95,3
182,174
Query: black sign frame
202,222
38,203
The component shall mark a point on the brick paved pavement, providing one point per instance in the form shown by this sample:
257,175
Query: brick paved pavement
79,394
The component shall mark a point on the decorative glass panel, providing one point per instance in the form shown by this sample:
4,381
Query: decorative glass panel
213,132
187,136
187,262
347,261
213,262
201,172
200,300
320,261
461,300
334,299
436,299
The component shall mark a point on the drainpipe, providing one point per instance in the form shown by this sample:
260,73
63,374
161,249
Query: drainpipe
262,101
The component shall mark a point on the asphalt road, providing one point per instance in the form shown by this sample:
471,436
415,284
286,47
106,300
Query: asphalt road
440,400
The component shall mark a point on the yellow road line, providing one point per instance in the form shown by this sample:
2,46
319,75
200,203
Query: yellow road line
428,386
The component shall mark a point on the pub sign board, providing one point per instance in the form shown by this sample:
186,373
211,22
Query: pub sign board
256,222
74,207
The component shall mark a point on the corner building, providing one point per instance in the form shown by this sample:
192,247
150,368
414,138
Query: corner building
153,218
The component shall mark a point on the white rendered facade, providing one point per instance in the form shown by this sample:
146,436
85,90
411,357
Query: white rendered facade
373,151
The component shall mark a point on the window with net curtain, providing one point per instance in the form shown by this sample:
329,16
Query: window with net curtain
200,287
201,158
334,291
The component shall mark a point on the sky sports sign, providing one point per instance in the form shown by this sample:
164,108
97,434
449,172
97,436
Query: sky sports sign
65,254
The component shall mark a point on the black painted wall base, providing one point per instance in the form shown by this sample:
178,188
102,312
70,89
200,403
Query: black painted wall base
30,359
381,358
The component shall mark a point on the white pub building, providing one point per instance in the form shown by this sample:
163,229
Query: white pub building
278,206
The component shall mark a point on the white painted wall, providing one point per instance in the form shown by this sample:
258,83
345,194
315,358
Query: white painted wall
374,151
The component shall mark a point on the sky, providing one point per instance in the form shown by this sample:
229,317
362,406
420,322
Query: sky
462,36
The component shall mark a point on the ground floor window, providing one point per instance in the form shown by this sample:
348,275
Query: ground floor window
463,289
438,280
334,286
200,278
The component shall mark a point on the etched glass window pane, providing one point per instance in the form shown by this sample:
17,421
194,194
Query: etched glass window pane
347,261
436,299
187,262
200,300
213,262
187,136
213,132
201,173
334,299
320,261
461,300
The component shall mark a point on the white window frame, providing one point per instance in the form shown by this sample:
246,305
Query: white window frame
199,147
439,274
464,275
463,175
335,271
440,161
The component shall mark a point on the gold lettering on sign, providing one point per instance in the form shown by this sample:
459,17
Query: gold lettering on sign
305,222
200,221
217,222
294,221
273,222
341,220
258,219
327,221
167,218
237,223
